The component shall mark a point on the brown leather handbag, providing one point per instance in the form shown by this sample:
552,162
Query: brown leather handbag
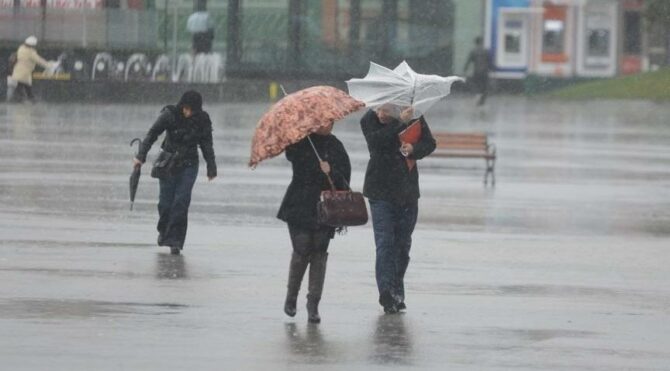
336,208
341,209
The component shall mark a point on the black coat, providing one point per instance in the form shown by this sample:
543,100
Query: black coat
183,136
387,177
299,205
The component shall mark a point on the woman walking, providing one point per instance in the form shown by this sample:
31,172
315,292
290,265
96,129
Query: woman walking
187,126
298,209
22,74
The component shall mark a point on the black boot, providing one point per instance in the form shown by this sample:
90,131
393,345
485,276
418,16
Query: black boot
296,271
317,275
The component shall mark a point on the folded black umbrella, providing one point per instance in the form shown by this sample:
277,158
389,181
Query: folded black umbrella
135,175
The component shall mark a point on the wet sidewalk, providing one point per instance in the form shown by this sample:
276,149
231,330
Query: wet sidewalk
562,266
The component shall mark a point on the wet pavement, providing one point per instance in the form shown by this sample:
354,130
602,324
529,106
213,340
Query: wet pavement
561,266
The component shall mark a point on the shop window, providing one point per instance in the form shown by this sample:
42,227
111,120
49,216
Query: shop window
598,35
513,37
553,36
632,42
598,43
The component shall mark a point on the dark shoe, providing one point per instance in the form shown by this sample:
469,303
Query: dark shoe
401,306
391,309
317,276
175,250
296,271
388,302
313,310
290,306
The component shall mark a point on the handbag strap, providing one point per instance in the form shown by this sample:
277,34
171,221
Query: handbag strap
330,180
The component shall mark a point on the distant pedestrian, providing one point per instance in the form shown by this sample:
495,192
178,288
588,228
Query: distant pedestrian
187,127
310,240
392,188
479,57
26,60
201,26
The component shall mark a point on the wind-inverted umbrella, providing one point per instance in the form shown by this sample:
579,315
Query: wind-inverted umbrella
135,175
296,116
401,87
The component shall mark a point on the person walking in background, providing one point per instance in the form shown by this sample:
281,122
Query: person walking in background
186,126
392,188
298,209
479,58
26,60
201,26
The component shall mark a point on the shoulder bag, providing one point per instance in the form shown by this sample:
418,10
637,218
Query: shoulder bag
340,208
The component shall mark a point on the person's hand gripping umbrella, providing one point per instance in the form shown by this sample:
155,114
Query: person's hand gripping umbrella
135,175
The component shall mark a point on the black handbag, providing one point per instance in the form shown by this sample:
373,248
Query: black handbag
343,208
164,165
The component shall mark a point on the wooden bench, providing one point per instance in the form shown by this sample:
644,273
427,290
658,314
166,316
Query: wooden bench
468,145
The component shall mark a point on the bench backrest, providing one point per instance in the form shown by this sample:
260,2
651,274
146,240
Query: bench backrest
470,141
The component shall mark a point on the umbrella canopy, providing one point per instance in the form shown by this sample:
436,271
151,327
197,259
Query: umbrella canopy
297,115
401,86
134,176
199,22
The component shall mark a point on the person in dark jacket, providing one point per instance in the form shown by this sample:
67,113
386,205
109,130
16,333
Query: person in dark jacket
479,58
298,209
392,189
186,126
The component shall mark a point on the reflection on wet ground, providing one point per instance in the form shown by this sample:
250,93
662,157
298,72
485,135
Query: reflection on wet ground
392,342
171,266
64,309
561,266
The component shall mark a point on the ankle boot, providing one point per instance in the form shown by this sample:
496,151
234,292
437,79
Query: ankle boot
296,271
317,275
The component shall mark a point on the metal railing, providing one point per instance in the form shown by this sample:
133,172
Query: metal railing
87,28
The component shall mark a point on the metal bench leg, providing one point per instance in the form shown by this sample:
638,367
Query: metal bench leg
490,169
493,172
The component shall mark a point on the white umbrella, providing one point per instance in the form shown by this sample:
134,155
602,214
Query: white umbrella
199,22
401,87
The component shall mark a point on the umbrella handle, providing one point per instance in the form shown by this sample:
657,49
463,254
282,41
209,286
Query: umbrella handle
138,140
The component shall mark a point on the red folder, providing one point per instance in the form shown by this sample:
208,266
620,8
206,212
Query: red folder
411,135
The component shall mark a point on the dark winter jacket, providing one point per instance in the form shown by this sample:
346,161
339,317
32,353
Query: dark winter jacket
299,205
388,177
479,57
183,136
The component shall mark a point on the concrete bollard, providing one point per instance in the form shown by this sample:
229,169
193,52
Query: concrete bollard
273,91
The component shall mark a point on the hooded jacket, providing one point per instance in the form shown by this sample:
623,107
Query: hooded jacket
183,136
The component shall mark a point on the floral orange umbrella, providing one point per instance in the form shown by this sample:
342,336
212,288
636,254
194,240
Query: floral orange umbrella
296,116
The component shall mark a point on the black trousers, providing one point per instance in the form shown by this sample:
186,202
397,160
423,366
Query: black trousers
23,91
480,83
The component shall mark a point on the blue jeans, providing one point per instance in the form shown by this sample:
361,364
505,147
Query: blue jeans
393,226
173,203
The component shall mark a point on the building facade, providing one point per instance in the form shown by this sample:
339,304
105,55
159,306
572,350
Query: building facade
566,38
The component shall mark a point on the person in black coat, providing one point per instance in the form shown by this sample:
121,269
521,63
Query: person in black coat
479,57
186,126
392,189
298,209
